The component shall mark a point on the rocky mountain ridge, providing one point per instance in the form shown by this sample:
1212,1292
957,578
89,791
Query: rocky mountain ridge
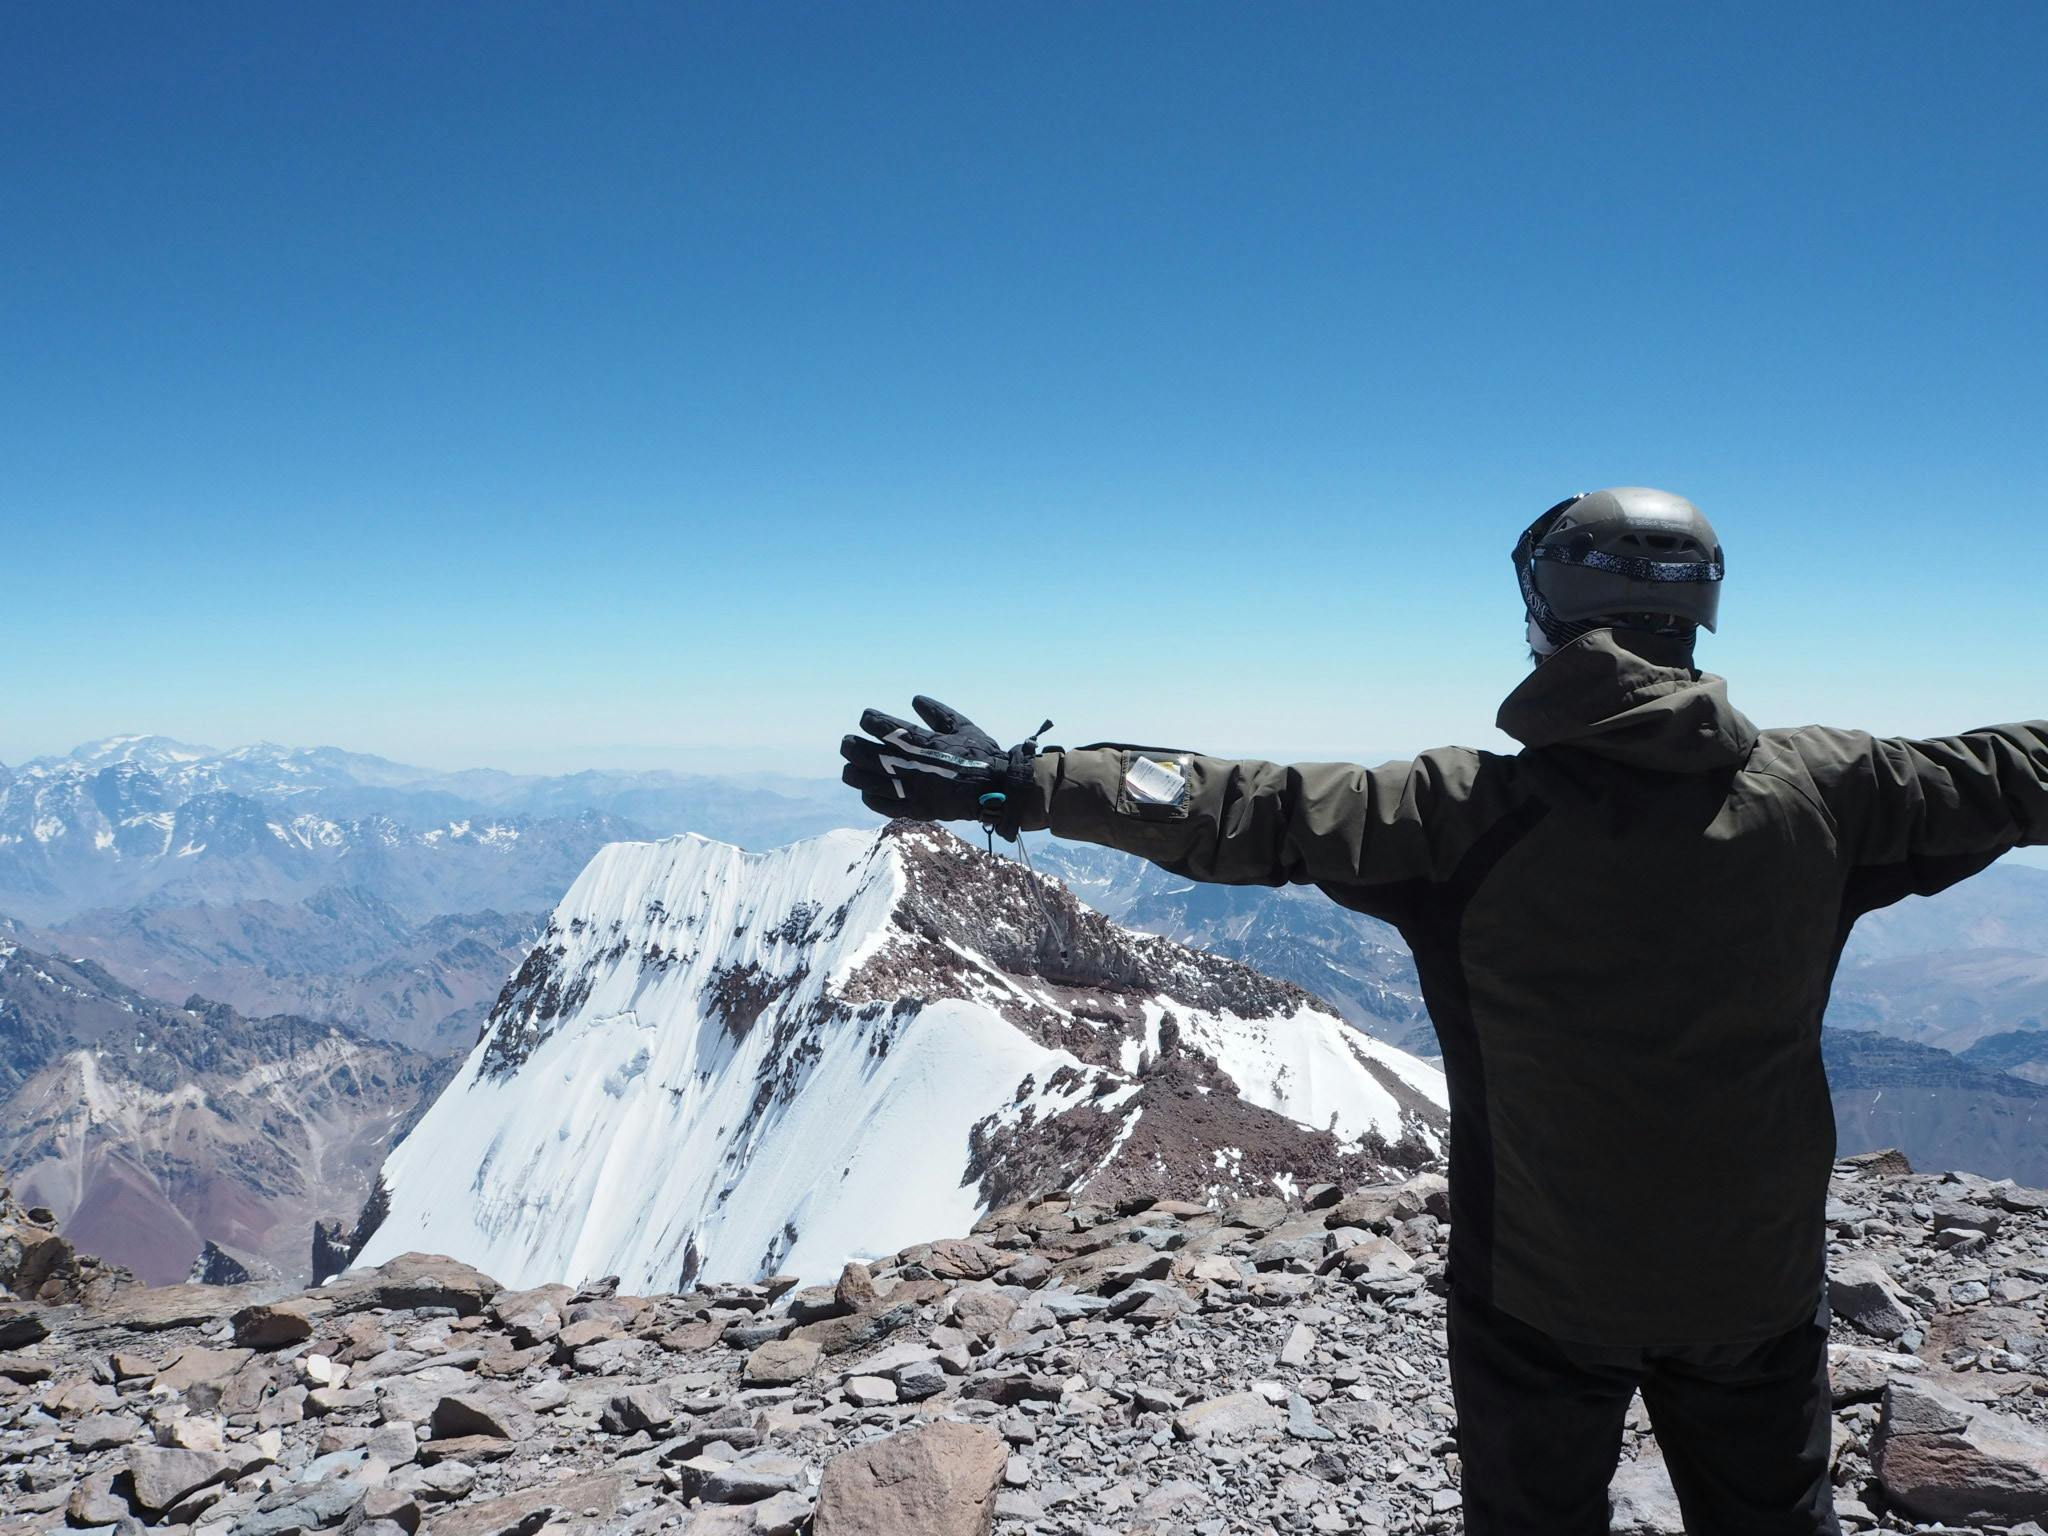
719,1064
1358,964
1067,1369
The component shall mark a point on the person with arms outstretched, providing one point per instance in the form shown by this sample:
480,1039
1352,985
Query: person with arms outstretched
1626,934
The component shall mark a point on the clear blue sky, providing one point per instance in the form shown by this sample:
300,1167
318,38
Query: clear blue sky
549,385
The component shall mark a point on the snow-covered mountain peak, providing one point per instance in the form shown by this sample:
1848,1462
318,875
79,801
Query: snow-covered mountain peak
721,1064
155,752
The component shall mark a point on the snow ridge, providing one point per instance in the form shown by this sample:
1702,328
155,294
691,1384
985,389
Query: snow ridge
720,1065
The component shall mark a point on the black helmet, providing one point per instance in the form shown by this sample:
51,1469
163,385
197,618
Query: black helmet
1629,557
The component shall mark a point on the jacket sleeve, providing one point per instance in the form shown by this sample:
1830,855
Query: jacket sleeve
1947,800
1259,823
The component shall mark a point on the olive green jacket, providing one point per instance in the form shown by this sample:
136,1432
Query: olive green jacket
1626,935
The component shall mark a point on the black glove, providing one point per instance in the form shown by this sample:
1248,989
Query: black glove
952,772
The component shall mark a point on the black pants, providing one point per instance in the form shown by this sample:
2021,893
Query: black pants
1744,1428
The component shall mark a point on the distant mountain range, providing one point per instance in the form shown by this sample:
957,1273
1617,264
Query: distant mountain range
1944,1111
341,953
339,919
144,820
151,1129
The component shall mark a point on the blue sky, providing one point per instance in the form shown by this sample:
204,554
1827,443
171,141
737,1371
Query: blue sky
546,386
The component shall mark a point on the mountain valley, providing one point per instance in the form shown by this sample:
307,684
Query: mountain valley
151,1129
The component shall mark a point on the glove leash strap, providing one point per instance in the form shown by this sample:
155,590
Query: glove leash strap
1036,881
993,804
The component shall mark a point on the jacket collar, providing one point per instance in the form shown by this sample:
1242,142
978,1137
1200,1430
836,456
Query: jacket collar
1631,697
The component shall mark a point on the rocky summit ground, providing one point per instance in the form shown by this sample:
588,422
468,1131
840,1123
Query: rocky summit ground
1068,1368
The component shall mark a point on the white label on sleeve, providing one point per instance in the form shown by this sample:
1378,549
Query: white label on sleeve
1154,783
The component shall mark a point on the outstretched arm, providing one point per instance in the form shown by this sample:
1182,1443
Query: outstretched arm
1937,808
1258,823
1207,818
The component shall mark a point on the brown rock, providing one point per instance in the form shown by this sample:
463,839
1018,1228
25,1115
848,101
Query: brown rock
531,1316
1259,1213
855,1291
94,1501
192,1432
1372,1259
462,1448
1151,1302
487,1411
415,1280
401,1509
362,1338
837,1335
814,1303
496,1359
198,1366
272,1325
46,1261
393,1444
104,1431
26,1369
164,1474
593,1330
152,1307
781,1363
937,1480
320,1401
1963,1216
287,1406
1029,1270
912,1293
960,1258
1085,1271
75,1397
246,1390
637,1408
1860,1375
526,1512
692,1337
1889,1163
1369,1209
983,1313
128,1366
1940,1457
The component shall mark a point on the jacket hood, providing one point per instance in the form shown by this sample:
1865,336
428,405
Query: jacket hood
1633,698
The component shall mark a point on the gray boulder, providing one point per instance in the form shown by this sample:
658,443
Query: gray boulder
1940,1457
1862,1293
937,1480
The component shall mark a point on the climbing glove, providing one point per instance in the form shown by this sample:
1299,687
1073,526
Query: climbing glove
953,771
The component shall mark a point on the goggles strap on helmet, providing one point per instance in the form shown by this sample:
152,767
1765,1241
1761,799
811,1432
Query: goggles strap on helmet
1632,566
1556,630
